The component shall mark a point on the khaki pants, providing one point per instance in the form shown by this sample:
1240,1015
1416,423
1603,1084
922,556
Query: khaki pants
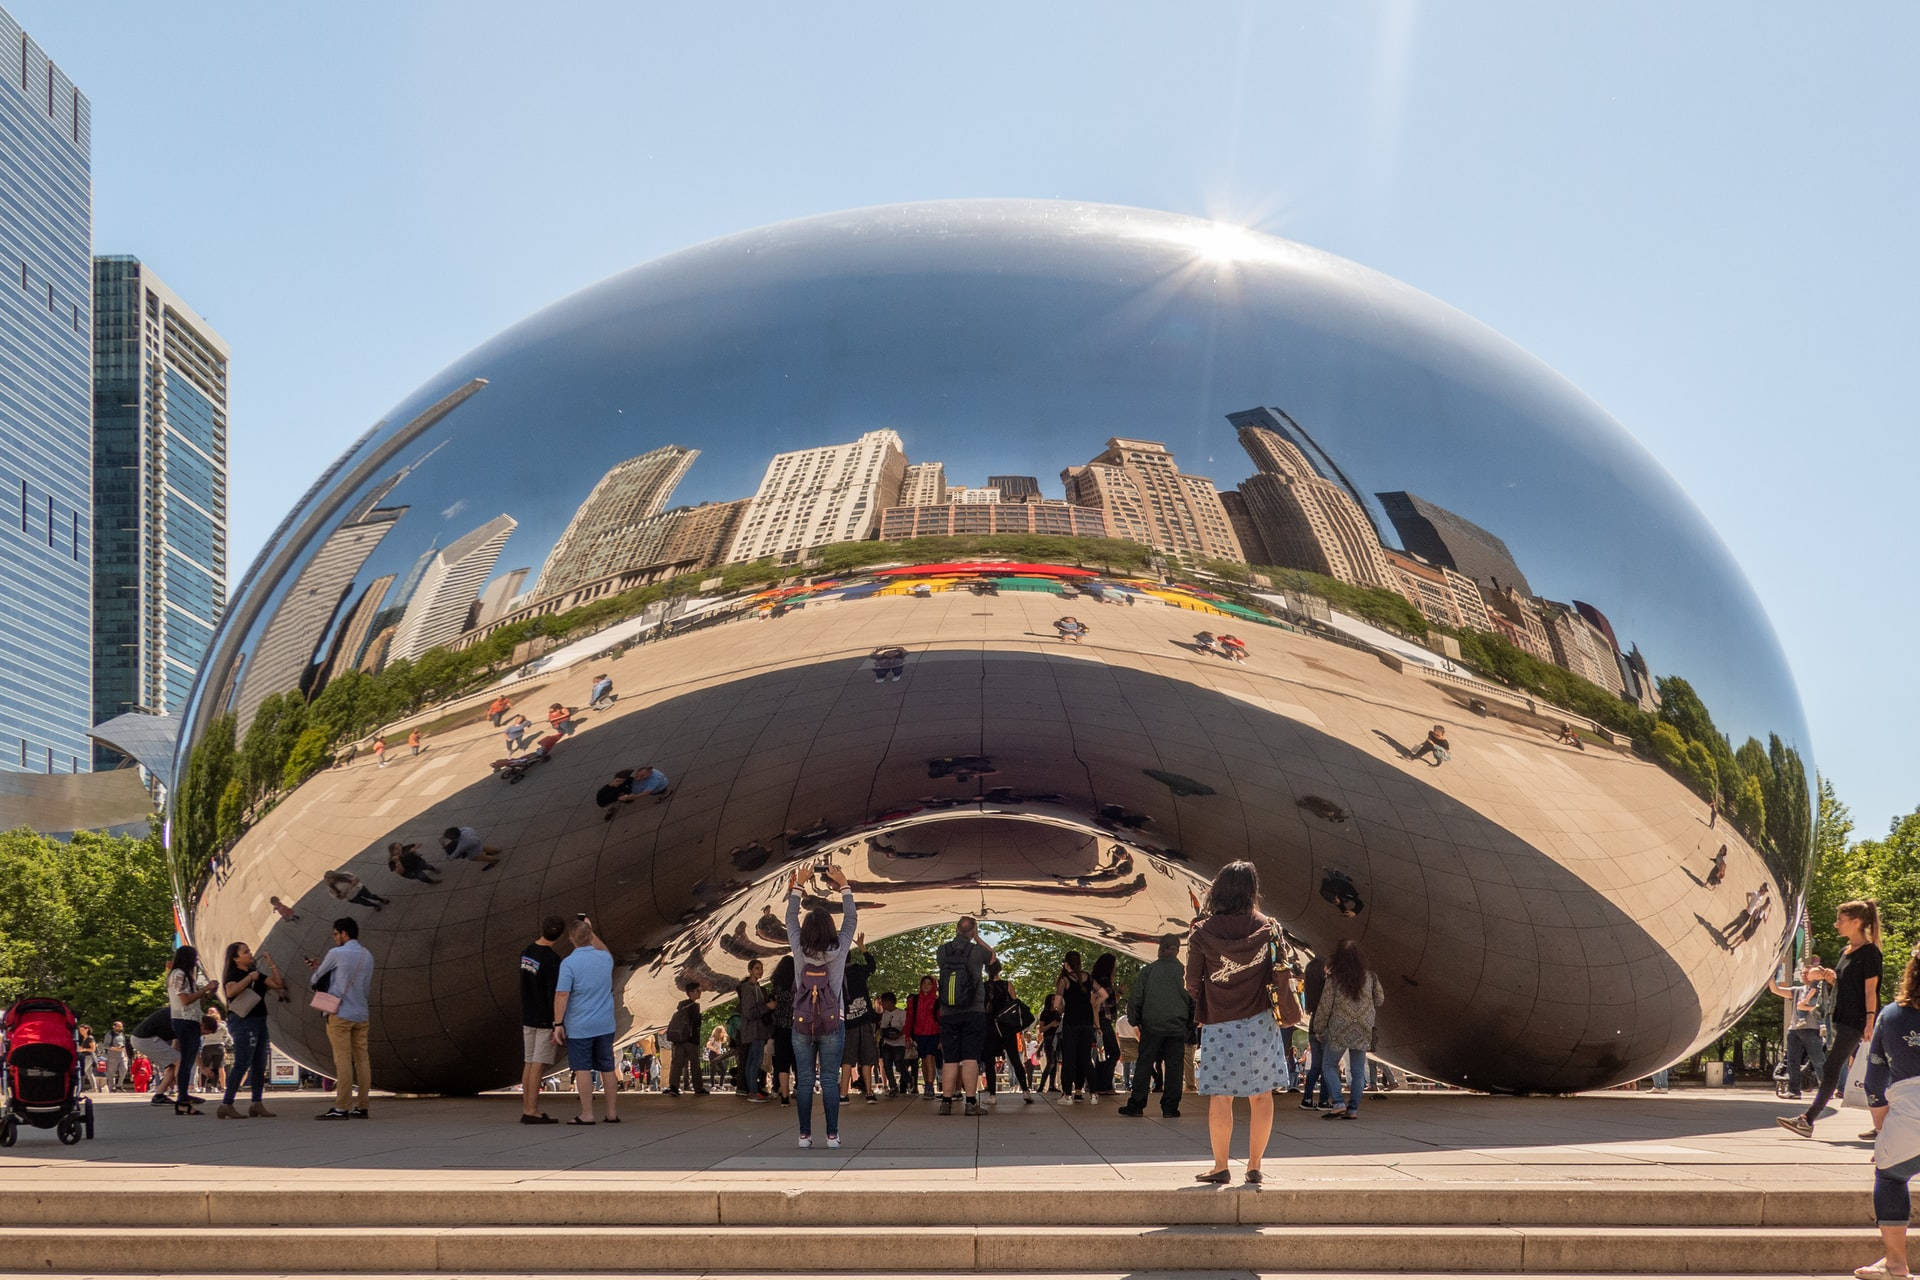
351,1062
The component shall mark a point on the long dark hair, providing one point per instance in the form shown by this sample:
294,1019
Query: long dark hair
782,979
818,933
1103,970
1070,965
1235,891
185,959
1347,970
229,970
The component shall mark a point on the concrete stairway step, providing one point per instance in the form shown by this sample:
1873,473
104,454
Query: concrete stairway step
1016,1250
1012,1275
399,1204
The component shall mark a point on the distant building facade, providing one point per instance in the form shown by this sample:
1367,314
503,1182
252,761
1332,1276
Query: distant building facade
438,612
1146,499
1580,647
954,518
812,497
1305,521
1443,537
1016,488
159,492
925,485
972,495
617,526
1440,594
46,412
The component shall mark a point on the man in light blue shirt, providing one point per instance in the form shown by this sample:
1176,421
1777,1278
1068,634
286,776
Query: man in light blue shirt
583,1019
347,974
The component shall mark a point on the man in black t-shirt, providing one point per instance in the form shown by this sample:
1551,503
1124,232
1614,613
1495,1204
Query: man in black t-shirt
539,978
862,1053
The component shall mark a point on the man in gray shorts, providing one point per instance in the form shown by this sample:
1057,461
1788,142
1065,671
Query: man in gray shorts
539,978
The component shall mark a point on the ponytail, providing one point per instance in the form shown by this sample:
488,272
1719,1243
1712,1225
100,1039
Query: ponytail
1866,911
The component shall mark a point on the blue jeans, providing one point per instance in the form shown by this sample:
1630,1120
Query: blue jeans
750,1064
1660,1077
1317,1073
249,1056
827,1049
186,1042
1356,1077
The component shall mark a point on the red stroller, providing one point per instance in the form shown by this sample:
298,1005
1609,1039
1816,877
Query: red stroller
40,1067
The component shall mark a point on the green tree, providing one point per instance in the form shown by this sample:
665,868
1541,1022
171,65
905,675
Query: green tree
1837,871
88,921
197,816
311,753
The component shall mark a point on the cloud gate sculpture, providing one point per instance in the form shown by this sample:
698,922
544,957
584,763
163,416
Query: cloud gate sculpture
1029,559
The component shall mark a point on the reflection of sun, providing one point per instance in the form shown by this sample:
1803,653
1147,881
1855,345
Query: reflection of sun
1222,241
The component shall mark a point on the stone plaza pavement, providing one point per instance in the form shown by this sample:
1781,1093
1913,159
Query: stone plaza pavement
1691,1139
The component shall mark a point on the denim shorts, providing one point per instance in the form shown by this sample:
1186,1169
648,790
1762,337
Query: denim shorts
590,1053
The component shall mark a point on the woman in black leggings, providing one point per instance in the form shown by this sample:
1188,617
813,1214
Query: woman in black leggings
1047,1025
1856,999
1075,988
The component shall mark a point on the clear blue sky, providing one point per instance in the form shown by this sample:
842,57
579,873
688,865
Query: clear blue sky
1703,215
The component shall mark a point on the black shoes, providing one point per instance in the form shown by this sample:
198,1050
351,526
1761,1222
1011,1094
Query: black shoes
1131,1111
946,1106
542,1118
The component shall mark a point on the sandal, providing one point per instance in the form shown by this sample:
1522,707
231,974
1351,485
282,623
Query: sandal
1219,1177
578,1120
611,1120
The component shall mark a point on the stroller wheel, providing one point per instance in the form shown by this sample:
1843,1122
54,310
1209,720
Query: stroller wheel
68,1130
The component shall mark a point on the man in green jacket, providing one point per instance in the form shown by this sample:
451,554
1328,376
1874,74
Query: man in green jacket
1160,1007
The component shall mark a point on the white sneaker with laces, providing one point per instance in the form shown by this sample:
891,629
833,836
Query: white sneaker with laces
833,1142
806,1143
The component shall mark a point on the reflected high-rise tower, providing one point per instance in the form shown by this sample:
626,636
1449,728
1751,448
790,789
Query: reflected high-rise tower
1440,536
1304,520
439,608
618,525
1148,500
46,479
811,497
305,615
159,491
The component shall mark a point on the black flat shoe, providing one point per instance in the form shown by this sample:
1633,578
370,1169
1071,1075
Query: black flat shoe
1253,1177
1219,1177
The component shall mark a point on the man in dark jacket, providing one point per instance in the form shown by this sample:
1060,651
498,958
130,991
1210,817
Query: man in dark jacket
1162,1010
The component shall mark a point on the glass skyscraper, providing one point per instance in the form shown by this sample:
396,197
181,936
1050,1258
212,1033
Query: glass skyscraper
159,491
46,409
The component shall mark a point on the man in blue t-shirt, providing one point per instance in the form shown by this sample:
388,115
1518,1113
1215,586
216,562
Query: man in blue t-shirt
583,1019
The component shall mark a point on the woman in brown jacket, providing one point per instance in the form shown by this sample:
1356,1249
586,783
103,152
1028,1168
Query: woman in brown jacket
1241,1052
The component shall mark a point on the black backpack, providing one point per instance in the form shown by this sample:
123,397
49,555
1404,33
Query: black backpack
682,1028
959,983
1013,1018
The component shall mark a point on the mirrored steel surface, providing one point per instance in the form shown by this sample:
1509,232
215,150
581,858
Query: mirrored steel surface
1538,903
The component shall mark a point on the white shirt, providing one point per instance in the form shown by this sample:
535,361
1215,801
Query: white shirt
179,986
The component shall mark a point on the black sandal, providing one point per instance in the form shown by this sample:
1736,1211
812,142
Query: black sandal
1253,1177
1219,1177
578,1120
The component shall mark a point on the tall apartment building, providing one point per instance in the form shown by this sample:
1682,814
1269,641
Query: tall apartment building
499,596
159,492
1240,516
702,535
351,640
1444,537
1580,647
616,527
1321,463
284,658
811,497
441,604
1016,488
951,518
1519,620
1304,520
925,485
1146,499
46,413
972,495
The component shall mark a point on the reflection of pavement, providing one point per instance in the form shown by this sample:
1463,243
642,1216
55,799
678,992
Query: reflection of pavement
1572,966
1720,1141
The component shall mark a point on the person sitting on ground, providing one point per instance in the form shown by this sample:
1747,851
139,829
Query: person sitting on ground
1718,871
405,860
1233,647
1070,629
1436,745
465,842
347,887
1207,641
602,695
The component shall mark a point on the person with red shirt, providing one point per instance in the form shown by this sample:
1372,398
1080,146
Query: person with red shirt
923,1024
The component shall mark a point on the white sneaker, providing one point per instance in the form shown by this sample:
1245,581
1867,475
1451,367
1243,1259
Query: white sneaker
806,1143
833,1142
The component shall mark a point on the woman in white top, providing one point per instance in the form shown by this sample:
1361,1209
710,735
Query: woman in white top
183,1007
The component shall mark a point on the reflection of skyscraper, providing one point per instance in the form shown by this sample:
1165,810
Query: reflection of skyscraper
1579,647
1016,488
1282,424
925,485
1146,498
493,601
1630,683
351,639
306,613
1440,536
416,571
1304,520
438,611
1645,691
812,497
159,492
972,495
1517,618
616,527
702,535
1252,545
